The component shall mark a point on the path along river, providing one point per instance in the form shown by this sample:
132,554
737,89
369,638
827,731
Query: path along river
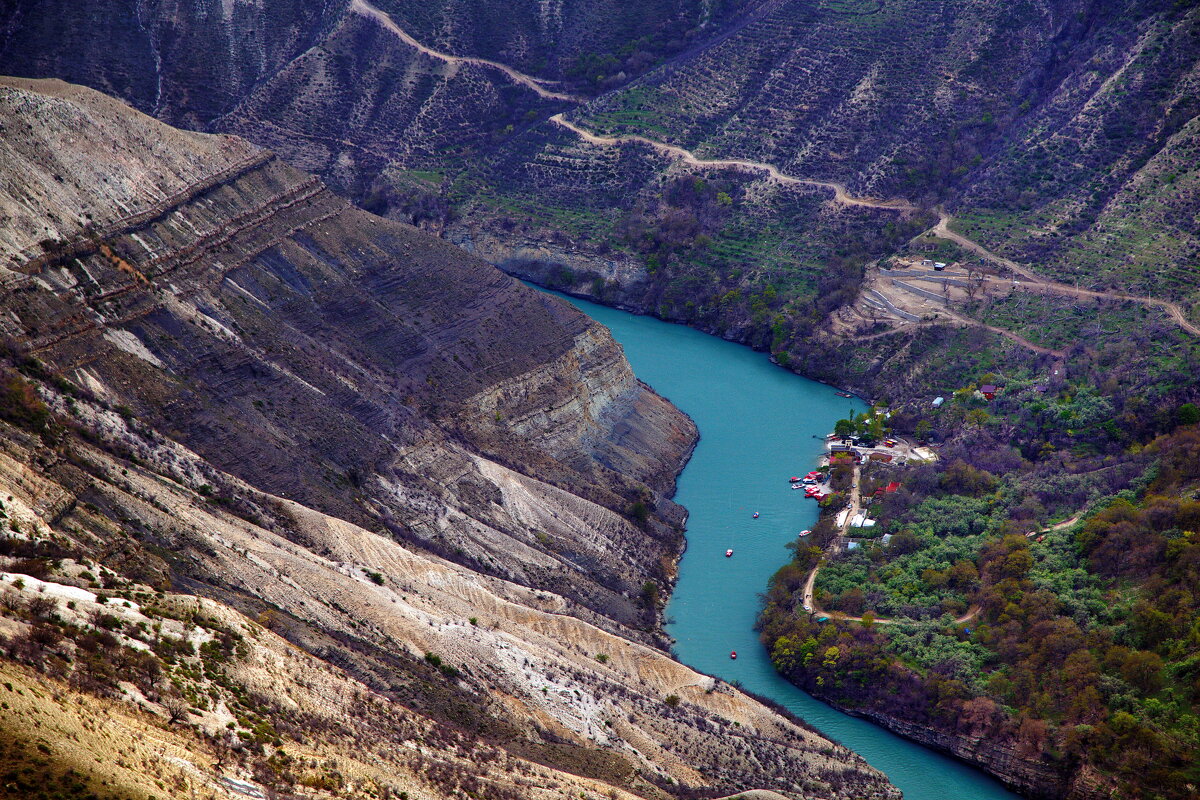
757,422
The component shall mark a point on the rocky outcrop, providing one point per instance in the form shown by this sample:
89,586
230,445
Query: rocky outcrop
1031,776
447,491
317,352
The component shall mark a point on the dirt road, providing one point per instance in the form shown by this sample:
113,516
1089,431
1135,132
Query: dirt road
1038,283
840,193
855,504
365,9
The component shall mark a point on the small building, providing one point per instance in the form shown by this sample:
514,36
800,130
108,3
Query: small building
938,266
989,390
937,402
927,262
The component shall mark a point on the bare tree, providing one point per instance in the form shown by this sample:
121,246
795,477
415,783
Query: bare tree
177,709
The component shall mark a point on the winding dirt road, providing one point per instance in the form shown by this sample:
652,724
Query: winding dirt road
1038,283
972,612
1007,334
840,194
852,509
365,9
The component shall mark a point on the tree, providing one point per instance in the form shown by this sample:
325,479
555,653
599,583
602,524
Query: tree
177,709
1188,414
844,428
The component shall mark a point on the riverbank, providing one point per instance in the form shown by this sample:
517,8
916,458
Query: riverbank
757,424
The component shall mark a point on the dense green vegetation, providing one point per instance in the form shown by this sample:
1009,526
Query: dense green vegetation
1074,644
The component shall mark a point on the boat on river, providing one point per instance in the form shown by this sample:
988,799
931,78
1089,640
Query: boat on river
728,553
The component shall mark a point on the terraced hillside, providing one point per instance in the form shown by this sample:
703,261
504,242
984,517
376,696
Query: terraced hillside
778,173
332,504
1014,117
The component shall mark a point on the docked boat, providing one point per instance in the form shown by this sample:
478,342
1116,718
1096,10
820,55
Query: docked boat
844,394
799,486
805,533
794,479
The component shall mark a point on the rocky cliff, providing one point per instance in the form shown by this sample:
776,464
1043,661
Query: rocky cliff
271,327
1030,775
241,414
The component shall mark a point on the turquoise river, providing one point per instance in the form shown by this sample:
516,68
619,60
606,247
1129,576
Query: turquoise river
757,426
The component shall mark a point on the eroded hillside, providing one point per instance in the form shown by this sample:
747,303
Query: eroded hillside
337,506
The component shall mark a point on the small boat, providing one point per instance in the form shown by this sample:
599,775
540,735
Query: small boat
805,533
733,654
798,486
844,394
794,479
755,515
728,553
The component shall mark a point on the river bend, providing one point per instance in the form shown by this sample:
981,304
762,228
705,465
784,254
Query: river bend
758,424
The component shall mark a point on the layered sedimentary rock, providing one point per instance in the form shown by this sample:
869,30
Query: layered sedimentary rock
309,348
234,397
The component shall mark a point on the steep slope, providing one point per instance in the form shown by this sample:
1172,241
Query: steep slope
1055,131
265,323
446,491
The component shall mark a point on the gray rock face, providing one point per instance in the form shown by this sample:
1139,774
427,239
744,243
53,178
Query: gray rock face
349,363
402,463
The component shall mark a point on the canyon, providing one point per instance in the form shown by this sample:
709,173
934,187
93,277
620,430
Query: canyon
335,486
768,172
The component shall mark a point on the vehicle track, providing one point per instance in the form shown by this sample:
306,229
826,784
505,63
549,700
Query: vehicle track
538,85
1036,282
841,194
970,614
